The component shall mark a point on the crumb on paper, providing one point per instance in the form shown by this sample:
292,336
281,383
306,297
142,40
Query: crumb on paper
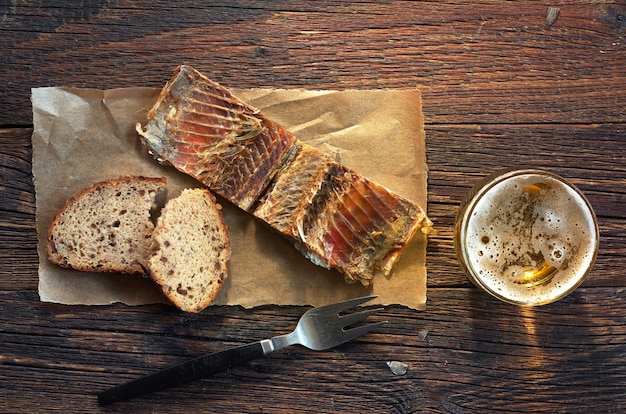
552,15
397,367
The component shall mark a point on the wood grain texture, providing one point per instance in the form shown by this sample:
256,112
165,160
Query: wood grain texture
500,87
529,358
477,62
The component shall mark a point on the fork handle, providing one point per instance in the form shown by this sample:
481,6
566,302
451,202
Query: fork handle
184,373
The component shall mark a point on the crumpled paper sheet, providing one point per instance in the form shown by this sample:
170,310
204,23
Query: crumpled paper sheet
82,136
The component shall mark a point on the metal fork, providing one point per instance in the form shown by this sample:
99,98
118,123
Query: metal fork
318,329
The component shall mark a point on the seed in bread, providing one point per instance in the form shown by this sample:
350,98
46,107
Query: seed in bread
106,227
192,250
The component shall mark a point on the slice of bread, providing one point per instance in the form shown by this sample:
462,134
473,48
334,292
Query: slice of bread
192,250
106,227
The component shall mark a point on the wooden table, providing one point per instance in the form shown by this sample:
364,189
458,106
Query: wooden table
502,86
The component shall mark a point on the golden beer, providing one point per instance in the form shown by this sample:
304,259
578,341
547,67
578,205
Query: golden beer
527,237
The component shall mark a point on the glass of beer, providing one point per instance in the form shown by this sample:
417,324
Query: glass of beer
527,237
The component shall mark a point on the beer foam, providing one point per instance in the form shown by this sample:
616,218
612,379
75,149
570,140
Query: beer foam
525,224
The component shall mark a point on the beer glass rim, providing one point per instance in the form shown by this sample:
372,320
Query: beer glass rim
473,198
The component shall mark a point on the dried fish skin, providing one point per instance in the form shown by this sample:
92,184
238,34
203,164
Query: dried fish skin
201,129
358,226
338,218
289,199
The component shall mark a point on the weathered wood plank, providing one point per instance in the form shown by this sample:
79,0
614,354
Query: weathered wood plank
476,62
460,358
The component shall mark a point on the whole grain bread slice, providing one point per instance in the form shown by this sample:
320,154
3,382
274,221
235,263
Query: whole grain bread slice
106,227
192,249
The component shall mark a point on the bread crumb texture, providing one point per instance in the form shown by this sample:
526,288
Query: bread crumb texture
192,250
106,227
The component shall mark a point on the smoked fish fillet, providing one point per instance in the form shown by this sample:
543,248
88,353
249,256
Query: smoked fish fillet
201,129
334,216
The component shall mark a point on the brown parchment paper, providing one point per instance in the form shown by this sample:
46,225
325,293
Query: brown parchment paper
82,136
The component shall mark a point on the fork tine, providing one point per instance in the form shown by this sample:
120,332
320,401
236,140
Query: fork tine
345,305
355,317
361,330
